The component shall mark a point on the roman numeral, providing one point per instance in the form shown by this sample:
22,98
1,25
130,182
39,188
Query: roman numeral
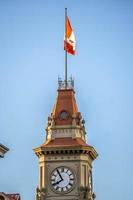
71,179
62,169
57,188
53,178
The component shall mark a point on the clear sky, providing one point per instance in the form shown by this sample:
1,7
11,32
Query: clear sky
32,57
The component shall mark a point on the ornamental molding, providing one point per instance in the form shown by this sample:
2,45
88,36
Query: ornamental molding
89,150
63,132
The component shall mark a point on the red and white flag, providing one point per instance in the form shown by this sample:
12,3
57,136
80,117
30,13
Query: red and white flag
69,40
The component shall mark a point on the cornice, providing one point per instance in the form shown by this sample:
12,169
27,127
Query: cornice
67,150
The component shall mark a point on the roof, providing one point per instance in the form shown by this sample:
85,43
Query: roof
3,150
65,142
14,196
65,101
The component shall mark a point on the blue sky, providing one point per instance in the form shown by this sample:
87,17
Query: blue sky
32,57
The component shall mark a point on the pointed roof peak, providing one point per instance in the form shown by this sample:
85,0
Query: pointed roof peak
65,108
65,120
65,111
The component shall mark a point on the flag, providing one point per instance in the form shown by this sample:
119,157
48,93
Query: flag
69,40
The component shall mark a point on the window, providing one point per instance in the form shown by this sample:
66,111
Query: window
41,174
84,174
2,198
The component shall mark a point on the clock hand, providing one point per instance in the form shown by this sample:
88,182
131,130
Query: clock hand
57,182
59,174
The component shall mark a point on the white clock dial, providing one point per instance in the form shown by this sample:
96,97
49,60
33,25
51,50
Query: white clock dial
62,179
64,115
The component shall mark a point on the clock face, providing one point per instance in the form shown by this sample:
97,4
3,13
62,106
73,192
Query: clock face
64,115
62,179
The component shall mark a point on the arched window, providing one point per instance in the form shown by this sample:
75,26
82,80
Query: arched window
2,198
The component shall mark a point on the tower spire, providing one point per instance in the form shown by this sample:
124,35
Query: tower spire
65,159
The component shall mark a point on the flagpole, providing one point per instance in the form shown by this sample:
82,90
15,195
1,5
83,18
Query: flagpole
66,48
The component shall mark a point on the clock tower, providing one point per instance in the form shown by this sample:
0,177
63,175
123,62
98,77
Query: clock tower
65,159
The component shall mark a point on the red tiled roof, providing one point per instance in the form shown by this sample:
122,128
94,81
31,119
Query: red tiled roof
13,196
65,101
65,142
